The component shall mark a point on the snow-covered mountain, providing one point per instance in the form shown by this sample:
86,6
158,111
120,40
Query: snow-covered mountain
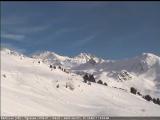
29,86
53,58
142,72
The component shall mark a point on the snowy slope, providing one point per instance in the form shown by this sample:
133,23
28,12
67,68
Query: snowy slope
141,72
30,88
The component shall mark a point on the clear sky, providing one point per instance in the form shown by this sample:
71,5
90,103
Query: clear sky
111,30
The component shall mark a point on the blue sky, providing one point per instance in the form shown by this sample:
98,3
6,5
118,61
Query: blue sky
111,30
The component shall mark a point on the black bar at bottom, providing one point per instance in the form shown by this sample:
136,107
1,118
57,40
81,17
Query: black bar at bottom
75,118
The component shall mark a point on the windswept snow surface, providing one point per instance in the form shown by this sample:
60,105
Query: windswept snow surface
32,88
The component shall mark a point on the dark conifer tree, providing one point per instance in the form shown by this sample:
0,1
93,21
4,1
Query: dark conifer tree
133,90
100,82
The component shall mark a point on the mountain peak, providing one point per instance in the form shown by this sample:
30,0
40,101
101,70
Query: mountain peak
11,51
150,58
5,50
49,55
143,62
84,55
149,55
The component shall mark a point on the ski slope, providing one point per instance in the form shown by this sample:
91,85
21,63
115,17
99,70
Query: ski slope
30,88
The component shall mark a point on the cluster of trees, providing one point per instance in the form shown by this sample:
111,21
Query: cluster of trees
59,67
101,82
63,69
146,97
51,66
156,101
90,78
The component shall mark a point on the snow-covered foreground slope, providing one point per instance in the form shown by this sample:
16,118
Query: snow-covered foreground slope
32,88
